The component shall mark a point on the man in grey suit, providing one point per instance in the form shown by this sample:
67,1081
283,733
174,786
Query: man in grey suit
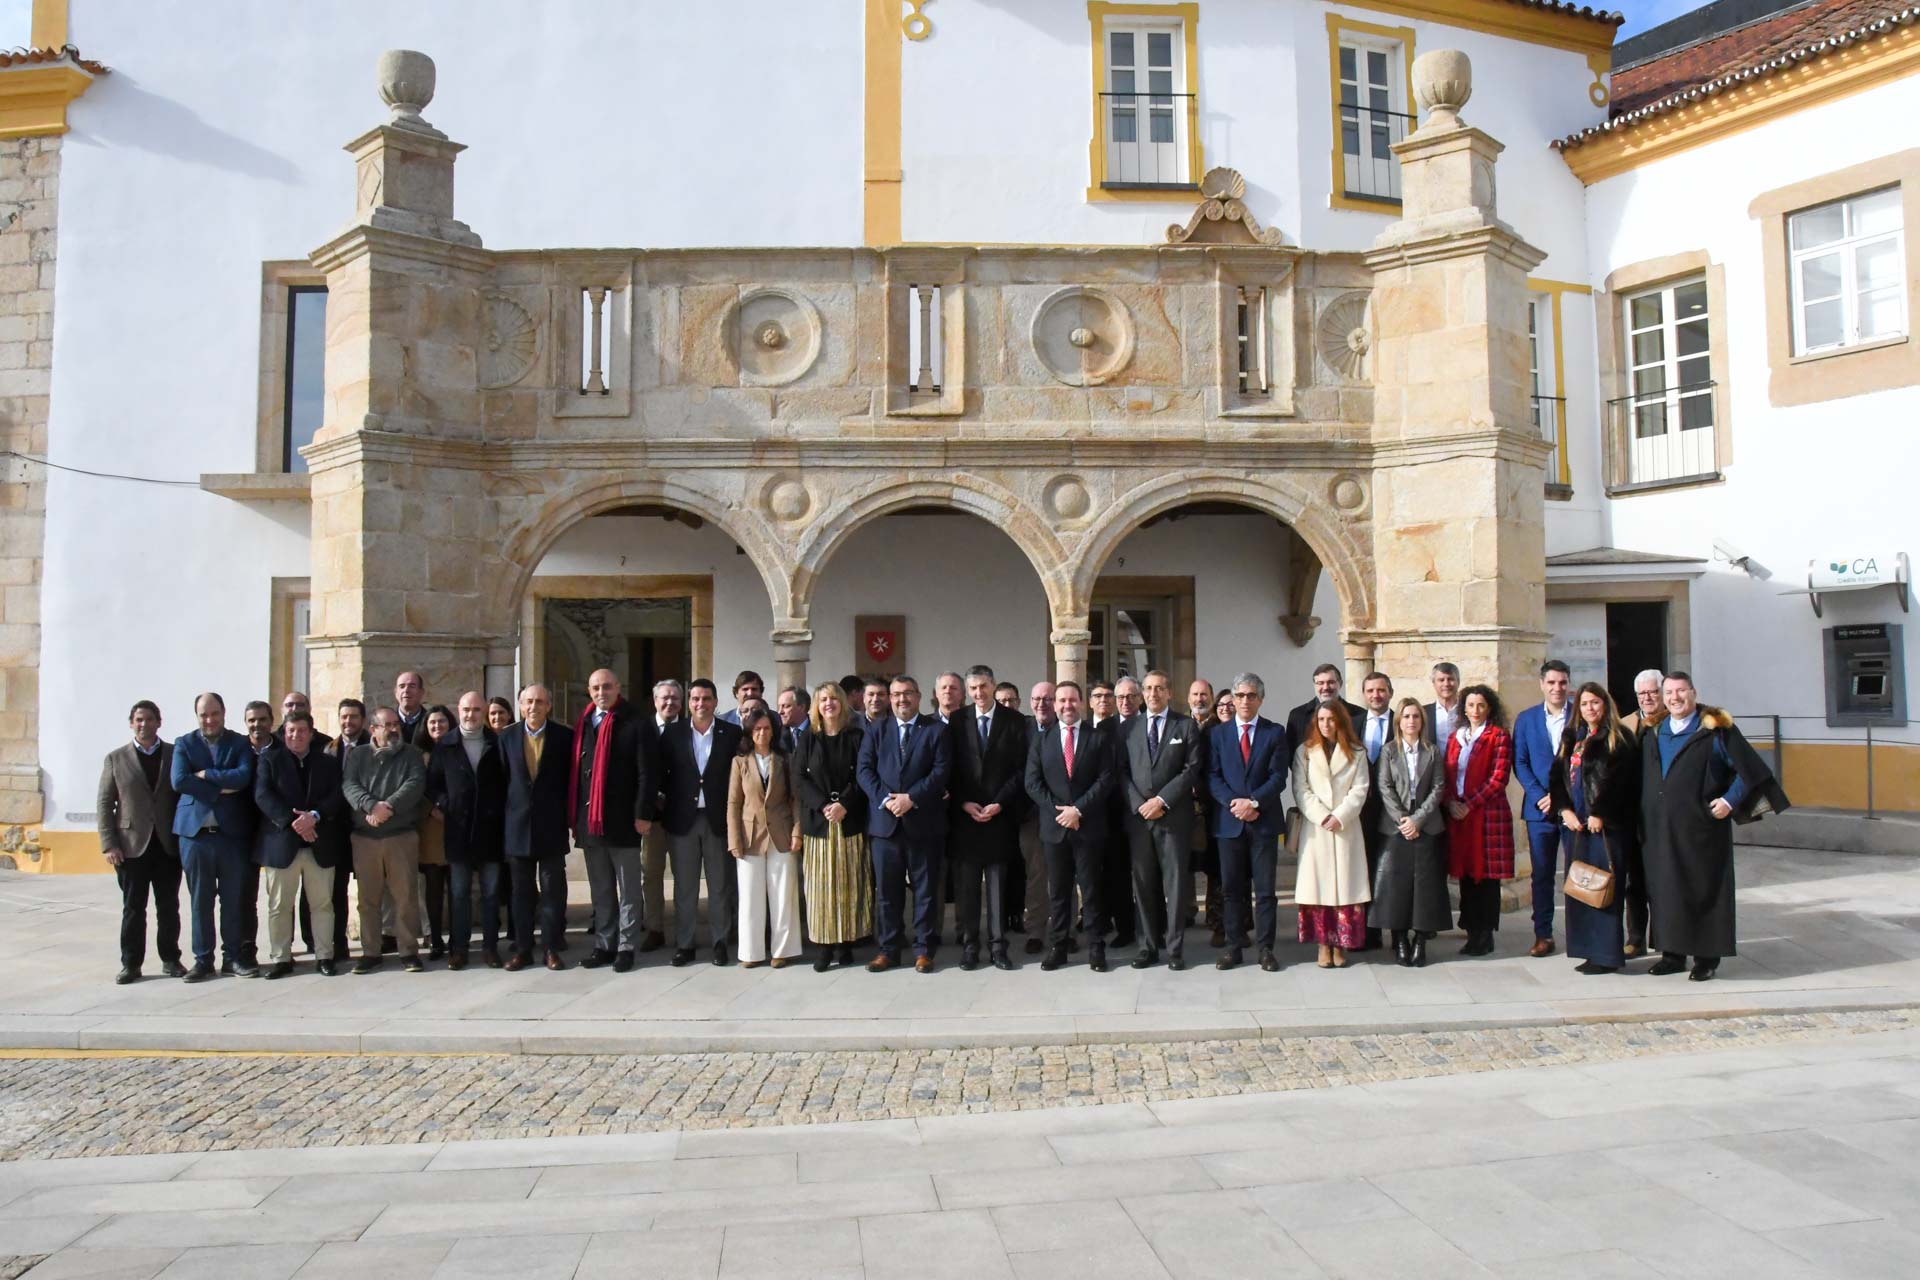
136,803
1162,758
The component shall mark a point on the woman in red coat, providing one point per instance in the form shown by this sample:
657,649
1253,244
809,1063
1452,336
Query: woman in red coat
1479,820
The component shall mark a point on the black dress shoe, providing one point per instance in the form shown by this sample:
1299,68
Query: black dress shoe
173,969
1402,950
1176,963
719,954
1147,958
414,964
1229,959
281,970
437,950
1667,964
1055,958
970,959
1097,957
1000,960
367,964
1589,968
128,973
325,968
823,960
1269,962
623,962
244,970
1704,972
1417,952
598,958
652,940
682,957
1035,946
199,973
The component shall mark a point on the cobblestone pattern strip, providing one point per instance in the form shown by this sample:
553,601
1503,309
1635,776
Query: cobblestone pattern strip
53,1107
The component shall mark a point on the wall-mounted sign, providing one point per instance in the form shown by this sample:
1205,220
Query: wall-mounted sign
1857,571
881,643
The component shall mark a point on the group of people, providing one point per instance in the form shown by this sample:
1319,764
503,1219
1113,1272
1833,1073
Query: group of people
849,815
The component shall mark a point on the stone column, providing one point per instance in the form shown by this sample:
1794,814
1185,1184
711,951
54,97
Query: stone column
1070,638
403,529
1459,482
792,646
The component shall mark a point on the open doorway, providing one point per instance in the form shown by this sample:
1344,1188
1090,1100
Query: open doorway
1636,642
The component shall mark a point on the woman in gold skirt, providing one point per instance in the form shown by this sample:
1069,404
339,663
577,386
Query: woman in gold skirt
833,825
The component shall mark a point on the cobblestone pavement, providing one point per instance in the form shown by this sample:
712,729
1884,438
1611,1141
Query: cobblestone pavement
87,1106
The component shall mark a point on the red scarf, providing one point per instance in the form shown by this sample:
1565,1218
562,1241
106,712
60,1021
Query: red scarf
597,798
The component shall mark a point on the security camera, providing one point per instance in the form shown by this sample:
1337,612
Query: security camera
1727,551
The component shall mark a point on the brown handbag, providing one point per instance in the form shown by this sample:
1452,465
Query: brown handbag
1592,885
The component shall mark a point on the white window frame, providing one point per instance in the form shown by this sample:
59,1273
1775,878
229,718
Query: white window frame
1178,170
1669,454
1847,247
1383,172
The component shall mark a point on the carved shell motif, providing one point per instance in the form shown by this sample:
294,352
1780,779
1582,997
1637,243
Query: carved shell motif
1344,336
509,344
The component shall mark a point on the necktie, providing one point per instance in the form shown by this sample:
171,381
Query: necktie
1376,727
1066,747
1153,737
1246,744
904,726
984,722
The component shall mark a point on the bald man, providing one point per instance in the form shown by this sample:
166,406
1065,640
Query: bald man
612,807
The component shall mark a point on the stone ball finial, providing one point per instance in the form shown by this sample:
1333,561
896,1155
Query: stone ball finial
1442,83
406,86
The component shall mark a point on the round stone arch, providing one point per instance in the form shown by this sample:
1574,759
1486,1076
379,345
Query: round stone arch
529,541
966,492
1344,560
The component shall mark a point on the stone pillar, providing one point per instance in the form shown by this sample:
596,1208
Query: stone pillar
1070,638
1459,483
792,646
403,530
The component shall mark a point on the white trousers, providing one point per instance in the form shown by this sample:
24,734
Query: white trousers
284,887
769,881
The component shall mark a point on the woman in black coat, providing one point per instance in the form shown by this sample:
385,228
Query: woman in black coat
833,824
1595,789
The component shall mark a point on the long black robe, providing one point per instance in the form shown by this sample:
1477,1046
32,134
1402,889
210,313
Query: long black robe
1688,853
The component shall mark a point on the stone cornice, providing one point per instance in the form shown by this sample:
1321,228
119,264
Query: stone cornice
1497,241
34,97
360,241
1439,636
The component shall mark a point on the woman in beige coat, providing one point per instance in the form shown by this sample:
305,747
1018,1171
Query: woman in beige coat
1329,789
763,834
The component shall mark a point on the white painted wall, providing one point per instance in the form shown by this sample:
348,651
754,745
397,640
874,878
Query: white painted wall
1804,481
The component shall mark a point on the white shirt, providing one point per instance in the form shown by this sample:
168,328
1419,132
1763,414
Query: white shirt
1468,736
1445,721
1412,752
702,752
1676,726
765,765
1556,722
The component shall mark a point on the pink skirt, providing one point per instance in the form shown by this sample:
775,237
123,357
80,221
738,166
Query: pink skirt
1343,927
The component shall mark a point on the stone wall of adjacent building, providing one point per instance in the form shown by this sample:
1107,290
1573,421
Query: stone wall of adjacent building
29,206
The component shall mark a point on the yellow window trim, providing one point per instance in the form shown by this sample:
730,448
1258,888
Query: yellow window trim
1337,197
1504,18
881,175
1856,67
1555,289
49,29
1098,14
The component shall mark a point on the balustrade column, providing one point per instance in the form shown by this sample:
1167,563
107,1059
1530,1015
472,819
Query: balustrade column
792,646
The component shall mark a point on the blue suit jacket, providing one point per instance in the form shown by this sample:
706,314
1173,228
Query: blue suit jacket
228,763
1533,752
1262,777
923,775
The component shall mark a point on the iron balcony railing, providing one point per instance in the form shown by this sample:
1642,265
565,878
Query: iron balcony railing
1148,139
1369,169
1663,436
1550,417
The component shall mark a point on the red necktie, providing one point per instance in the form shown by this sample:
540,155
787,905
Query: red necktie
1246,743
1066,747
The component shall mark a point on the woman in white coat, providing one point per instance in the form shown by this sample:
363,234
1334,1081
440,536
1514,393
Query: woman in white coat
1329,789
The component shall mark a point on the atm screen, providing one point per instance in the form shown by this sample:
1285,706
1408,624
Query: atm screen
1870,686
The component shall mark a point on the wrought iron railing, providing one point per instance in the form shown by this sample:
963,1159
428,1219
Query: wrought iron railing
1663,436
1148,139
1550,417
1369,169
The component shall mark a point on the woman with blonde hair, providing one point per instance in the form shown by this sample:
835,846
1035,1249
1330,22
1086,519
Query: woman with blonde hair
833,825
1330,788
1410,886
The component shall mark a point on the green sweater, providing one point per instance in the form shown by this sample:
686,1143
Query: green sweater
396,774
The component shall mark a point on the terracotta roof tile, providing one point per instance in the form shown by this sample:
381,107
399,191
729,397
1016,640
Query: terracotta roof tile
1610,17
30,57
1753,52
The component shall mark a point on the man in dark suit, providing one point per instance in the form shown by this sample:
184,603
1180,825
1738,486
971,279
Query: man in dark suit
791,706
1116,894
135,812
1161,762
989,746
1247,760
1327,684
410,701
1377,733
1069,775
611,800
536,752
467,784
304,837
1206,854
696,764
905,764
212,773
351,719
1033,852
669,698
1444,713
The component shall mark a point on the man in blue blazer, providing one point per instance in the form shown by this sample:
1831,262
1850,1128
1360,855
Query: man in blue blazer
905,762
213,776
1247,760
1536,739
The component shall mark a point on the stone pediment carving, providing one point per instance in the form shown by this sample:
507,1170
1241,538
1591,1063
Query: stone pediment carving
1221,216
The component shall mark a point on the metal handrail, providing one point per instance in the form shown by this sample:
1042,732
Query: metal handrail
1146,106
1780,738
1364,175
1619,418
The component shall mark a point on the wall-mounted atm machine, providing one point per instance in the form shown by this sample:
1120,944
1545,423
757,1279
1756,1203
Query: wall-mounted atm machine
1866,675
